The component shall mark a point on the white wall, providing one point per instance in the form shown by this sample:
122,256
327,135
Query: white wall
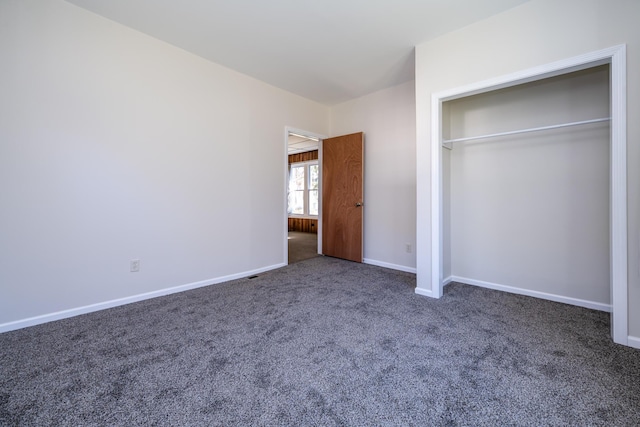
538,32
114,146
531,211
387,118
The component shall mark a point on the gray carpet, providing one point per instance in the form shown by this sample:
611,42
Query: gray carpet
302,246
322,342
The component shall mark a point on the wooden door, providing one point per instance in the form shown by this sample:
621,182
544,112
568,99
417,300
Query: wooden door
342,189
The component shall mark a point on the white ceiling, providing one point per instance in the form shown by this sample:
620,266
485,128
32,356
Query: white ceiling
329,51
299,144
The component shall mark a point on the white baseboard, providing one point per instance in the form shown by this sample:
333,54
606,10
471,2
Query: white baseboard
58,315
542,295
389,265
428,293
633,342
425,292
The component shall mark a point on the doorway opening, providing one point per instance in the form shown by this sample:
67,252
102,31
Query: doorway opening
303,193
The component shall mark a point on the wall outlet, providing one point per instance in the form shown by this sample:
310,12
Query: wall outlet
407,248
135,265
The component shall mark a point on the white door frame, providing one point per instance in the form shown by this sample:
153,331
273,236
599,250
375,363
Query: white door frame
287,131
430,283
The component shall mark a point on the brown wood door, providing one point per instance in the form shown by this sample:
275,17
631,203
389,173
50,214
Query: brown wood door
342,204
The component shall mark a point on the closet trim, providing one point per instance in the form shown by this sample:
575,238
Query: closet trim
430,280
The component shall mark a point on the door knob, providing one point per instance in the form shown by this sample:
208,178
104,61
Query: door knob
358,204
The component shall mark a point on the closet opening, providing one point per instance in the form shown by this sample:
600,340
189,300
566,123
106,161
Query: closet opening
526,189
528,179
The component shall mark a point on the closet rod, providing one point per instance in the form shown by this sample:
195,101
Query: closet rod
513,132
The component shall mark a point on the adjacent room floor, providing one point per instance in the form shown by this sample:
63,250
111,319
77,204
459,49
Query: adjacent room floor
302,246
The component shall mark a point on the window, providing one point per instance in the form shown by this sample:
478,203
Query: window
303,189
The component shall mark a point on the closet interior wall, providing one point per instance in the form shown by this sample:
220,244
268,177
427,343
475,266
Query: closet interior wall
530,211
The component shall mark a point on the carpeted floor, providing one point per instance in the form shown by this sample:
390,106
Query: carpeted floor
322,342
302,246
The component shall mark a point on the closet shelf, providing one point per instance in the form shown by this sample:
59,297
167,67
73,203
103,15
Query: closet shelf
513,132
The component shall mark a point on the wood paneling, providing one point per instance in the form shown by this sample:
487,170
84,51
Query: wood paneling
342,189
305,225
303,157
